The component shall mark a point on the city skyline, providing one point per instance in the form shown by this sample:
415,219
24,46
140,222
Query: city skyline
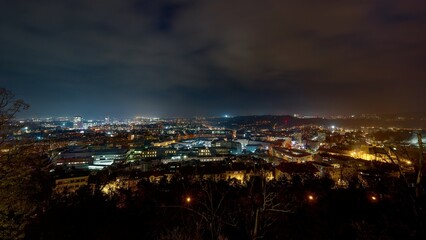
181,58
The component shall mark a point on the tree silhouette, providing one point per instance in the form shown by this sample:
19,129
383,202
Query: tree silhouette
22,166
9,107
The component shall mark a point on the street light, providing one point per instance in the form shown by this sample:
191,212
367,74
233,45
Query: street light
374,198
188,199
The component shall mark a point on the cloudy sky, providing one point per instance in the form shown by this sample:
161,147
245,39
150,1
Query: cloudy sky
213,57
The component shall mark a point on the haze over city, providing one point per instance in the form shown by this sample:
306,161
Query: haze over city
210,58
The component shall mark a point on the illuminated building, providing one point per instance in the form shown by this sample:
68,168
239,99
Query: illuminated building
70,184
233,147
74,157
292,155
78,122
204,152
107,157
136,154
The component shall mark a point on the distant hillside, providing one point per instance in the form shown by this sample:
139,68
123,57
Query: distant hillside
267,121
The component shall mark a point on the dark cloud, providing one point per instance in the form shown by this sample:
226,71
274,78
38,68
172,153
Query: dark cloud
188,57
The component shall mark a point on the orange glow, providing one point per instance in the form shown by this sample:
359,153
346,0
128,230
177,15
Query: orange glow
188,199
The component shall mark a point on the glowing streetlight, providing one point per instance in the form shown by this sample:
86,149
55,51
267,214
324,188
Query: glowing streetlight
311,197
374,198
188,199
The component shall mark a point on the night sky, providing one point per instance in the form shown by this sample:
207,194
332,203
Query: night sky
198,57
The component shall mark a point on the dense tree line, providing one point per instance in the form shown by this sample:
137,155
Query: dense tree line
298,209
24,184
